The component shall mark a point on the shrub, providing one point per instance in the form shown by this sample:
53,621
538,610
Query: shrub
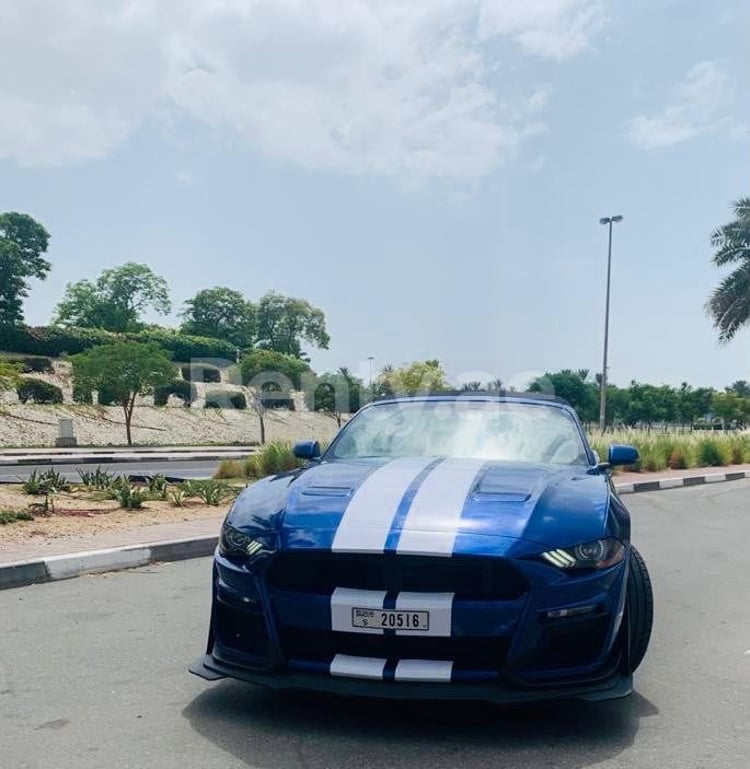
682,457
47,482
272,400
11,516
97,480
712,452
224,399
177,497
214,492
201,372
739,446
54,341
158,486
272,459
185,346
230,468
128,496
32,364
181,389
82,395
38,391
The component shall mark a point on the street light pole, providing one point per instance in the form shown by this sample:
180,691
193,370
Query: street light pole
371,358
608,220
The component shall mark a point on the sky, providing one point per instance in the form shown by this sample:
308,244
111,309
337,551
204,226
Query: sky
431,174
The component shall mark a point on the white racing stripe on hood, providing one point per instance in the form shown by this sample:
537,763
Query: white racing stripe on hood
368,517
434,517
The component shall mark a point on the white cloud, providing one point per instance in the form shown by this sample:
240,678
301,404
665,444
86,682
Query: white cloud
698,105
406,89
555,29
184,177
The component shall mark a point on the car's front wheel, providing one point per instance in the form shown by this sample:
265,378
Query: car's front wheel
639,609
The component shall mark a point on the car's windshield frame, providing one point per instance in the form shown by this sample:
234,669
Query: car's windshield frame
586,455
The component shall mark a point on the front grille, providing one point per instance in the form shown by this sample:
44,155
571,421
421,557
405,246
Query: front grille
465,652
470,577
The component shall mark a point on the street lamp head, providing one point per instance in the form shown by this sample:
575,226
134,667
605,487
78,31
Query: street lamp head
604,220
617,218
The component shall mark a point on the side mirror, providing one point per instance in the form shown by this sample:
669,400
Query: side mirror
307,450
619,455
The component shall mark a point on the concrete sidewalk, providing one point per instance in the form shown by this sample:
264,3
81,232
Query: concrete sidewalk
43,559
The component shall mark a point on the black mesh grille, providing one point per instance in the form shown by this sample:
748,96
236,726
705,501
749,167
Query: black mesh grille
468,653
322,572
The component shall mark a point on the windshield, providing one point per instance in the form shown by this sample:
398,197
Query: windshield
514,432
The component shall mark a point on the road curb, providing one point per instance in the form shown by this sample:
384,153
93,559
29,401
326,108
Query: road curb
59,567
678,483
105,459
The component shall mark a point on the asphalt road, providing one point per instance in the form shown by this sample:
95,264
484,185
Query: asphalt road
92,676
183,468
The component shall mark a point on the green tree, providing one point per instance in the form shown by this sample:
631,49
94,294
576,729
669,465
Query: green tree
125,370
729,304
116,301
418,377
221,313
22,243
740,387
701,398
729,408
335,394
284,323
572,387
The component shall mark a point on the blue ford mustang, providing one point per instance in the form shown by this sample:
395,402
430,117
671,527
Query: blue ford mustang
463,547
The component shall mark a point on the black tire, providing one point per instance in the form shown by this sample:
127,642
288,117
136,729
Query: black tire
639,610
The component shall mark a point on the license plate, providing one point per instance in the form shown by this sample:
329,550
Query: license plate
389,619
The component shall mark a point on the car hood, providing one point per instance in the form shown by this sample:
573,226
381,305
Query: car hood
429,506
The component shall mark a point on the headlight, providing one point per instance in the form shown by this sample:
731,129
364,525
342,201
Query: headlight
598,554
235,544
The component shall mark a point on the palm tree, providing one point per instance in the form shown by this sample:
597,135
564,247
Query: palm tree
729,304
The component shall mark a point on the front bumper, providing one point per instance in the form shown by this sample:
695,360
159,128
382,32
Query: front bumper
506,650
615,686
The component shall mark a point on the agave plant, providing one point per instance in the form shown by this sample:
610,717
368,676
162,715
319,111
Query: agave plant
96,480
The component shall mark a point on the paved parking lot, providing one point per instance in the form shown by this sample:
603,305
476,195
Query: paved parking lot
92,676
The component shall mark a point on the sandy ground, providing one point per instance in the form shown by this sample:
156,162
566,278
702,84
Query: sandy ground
33,425
76,515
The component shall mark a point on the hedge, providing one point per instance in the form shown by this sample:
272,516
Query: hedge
225,399
38,391
31,364
183,390
54,341
201,372
280,401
